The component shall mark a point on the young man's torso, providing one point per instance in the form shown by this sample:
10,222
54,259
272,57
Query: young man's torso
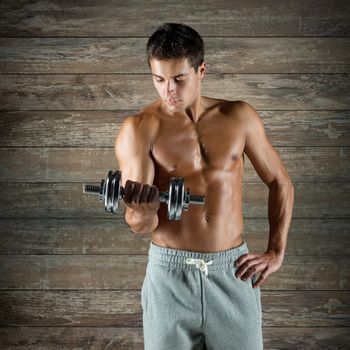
209,155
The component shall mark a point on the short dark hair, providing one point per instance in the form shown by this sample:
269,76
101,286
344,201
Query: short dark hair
176,40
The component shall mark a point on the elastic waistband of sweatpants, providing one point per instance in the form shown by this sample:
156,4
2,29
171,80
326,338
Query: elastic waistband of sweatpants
170,257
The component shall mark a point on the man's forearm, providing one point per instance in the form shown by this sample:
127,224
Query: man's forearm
140,223
280,208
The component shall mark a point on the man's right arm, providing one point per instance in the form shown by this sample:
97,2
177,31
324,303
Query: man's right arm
132,150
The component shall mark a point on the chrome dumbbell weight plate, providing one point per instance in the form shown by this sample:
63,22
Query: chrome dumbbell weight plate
178,199
113,192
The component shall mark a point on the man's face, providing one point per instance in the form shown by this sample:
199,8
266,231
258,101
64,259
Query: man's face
175,79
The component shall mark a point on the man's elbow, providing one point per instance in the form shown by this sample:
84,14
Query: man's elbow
135,232
282,181
141,225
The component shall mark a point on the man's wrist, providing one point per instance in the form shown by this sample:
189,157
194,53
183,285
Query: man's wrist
139,215
278,253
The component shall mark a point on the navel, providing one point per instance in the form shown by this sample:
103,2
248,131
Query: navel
234,157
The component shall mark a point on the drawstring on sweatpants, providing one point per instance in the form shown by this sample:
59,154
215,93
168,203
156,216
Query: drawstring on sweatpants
200,264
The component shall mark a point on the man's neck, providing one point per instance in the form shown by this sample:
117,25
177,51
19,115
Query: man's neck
193,112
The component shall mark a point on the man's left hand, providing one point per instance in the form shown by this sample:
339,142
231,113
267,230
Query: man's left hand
251,263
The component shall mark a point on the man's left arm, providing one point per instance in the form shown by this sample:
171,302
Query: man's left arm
273,173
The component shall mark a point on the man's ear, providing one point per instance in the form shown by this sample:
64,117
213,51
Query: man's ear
203,69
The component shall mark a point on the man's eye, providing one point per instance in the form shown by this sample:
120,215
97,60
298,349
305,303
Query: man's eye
177,80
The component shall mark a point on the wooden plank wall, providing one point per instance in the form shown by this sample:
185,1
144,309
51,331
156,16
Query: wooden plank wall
71,71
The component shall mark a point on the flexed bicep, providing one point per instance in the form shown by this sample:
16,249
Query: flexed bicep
132,150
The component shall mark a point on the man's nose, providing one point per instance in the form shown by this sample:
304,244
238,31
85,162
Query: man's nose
170,87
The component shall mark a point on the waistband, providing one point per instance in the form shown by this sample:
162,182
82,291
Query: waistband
188,260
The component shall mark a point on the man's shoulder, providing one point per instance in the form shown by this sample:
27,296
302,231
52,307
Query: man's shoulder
234,109
145,117
234,105
144,124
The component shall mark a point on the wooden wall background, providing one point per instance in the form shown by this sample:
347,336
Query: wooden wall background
71,71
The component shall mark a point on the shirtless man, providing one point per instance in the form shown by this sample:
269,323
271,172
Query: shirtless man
200,289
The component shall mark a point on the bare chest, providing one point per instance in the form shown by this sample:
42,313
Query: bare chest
215,142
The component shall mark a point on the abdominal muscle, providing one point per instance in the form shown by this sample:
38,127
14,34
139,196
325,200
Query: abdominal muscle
213,227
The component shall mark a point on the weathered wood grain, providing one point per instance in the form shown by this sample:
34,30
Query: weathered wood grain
67,200
99,129
116,338
112,236
306,338
298,272
127,55
75,338
76,129
220,18
304,164
70,273
123,308
123,91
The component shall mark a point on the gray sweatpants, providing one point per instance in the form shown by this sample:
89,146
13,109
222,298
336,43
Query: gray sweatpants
193,301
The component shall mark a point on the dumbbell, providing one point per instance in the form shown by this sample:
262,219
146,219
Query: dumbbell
111,193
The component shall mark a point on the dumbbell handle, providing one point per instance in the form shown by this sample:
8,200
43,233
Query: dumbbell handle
195,199
163,196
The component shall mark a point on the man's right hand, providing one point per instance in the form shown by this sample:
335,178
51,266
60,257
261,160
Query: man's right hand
142,198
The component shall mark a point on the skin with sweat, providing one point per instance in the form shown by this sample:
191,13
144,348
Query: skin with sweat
202,139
